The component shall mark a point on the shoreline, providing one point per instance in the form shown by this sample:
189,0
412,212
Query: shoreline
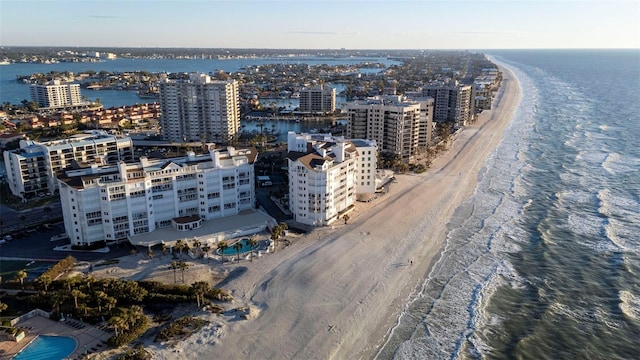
338,291
503,117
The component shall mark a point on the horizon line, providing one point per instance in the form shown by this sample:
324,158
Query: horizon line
312,49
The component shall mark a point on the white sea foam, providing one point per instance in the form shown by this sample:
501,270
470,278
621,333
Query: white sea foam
629,304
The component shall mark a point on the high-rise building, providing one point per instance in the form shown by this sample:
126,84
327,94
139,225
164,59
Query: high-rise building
199,109
327,174
454,102
32,168
398,125
319,99
117,202
56,95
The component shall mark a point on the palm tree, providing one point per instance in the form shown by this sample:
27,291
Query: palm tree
164,249
3,307
180,245
21,275
70,282
222,246
150,253
199,289
253,242
77,294
89,279
196,246
45,281
174,267
183,265
206,248
275,235
237,247
283,229
100,296
117,322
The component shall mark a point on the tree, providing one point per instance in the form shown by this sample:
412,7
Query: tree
237,247
253,242
205,249
164,249
89,279
180,245
275,235
174,267
196,246
199,289
3,307
183,265
150,253
20,276
222,246
117,322
77,294
45,281
100,297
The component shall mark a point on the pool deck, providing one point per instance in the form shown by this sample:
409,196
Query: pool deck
89,338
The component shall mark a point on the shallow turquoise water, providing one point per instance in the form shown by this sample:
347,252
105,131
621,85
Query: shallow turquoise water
48,348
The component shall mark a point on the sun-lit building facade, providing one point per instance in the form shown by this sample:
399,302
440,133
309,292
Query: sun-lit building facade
113,203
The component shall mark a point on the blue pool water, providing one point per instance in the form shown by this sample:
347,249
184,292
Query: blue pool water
48,348
231,251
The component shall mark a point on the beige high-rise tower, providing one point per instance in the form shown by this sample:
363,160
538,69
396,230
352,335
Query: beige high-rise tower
199,109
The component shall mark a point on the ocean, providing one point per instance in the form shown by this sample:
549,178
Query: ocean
543,260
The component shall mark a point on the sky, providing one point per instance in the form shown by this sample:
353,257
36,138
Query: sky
322,24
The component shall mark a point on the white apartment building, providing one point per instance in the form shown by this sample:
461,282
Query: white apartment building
398,125
319,99
56,95
454,103
327,174
32,168
199,109
114,203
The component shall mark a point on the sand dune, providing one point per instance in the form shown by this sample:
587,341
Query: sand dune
334,293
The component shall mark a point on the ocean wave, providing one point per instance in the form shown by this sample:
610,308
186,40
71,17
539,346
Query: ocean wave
629,305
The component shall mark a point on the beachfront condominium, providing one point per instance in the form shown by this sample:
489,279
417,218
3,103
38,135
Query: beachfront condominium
319,99
199,109
117,202
56,95
327,174
454,102
400,126
32,168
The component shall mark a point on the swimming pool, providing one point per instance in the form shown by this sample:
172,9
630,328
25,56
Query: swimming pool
231,251
48,348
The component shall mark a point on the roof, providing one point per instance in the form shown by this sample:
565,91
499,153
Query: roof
186,219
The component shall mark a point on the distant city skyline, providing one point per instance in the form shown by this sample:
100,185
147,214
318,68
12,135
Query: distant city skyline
322,24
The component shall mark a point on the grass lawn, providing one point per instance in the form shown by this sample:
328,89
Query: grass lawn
8,268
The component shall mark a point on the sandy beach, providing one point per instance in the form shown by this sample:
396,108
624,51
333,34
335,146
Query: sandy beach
335,293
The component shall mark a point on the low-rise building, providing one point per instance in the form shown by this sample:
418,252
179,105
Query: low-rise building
115,202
